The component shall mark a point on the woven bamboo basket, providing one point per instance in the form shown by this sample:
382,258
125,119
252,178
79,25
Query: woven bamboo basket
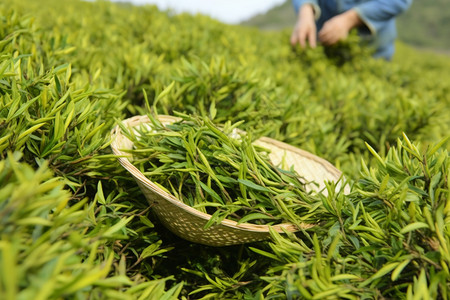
188,223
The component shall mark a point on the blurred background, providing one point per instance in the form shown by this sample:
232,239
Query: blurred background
227,11
425,25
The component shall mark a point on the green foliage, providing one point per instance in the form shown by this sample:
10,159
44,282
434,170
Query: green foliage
73,224
390,229
50,248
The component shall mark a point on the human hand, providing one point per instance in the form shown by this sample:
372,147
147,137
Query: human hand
305,28
338,27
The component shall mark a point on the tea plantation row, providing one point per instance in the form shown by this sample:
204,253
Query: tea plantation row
74,225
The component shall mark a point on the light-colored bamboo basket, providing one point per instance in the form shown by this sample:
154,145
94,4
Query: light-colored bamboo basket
188,223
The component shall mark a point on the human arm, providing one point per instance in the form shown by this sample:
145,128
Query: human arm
305,27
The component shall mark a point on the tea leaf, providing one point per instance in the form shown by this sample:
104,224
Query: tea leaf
253,185
414,226
254,216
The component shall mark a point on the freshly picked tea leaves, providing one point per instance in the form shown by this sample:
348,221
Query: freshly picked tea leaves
219,171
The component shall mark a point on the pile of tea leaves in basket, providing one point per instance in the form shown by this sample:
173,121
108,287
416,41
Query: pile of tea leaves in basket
220,171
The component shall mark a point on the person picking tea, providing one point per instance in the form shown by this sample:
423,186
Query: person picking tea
330,21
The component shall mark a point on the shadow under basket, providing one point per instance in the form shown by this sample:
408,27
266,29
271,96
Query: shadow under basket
188,223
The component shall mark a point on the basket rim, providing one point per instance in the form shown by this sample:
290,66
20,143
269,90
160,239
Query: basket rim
123,158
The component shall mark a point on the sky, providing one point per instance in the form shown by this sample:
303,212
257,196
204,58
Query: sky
227,11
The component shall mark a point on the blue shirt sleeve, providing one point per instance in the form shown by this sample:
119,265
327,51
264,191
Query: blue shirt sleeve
375,13
298,3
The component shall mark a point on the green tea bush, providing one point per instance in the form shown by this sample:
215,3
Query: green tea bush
388,238
73,224
51,249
